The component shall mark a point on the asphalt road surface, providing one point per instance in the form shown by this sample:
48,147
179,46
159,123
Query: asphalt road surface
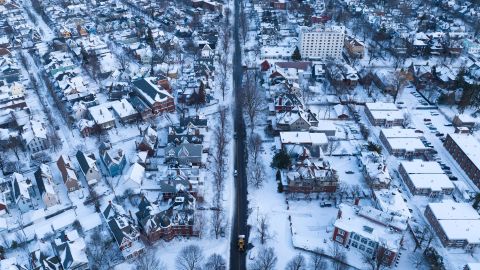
239,222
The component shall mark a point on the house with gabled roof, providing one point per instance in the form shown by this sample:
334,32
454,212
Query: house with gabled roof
35,136
113,159
67,170
45,185
159,100
70,249
176,220
149,140
184,154
123,230
23,192
88,167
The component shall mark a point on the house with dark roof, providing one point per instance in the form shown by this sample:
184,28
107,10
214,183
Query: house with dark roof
176,220
184,154
23,191
149,141
88,167
69,176
124,231
159,100
45,185
70,251
113,159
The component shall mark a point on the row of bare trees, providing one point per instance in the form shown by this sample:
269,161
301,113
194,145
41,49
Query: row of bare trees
221,139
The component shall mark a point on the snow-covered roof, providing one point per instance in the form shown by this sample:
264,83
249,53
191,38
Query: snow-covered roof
418,166
388,115
392,201
368,222
123,108
397,132
101,114
459,221
434,182
136,173
36,129
469,145
407,144
293,137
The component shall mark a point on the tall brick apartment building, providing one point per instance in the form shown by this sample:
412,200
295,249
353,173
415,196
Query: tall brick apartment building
465,149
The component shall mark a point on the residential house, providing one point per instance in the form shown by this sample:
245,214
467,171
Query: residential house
123,230
176,220
113,159
34,136
23,191
295,121
124,111
374,169
159,100
355,48
69,176
45,185
102,117
184,154
88,167
149,140
310,177
70,249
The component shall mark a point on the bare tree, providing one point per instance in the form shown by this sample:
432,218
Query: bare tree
254,145
257,174
417,259
265,260
332,145
215,262
149,261
97,248
252,100
218,222
297,263
263,229
190,258
377,260
399,82
317,261
338,257
199,222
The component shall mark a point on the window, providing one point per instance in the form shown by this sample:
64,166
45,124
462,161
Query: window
362,247
369,250
339,239
364,240
354,244
371,243
341,232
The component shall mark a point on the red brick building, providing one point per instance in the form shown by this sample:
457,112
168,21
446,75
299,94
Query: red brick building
465,149
370,231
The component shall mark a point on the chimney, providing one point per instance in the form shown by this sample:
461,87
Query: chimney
130,213
339,214
357,200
